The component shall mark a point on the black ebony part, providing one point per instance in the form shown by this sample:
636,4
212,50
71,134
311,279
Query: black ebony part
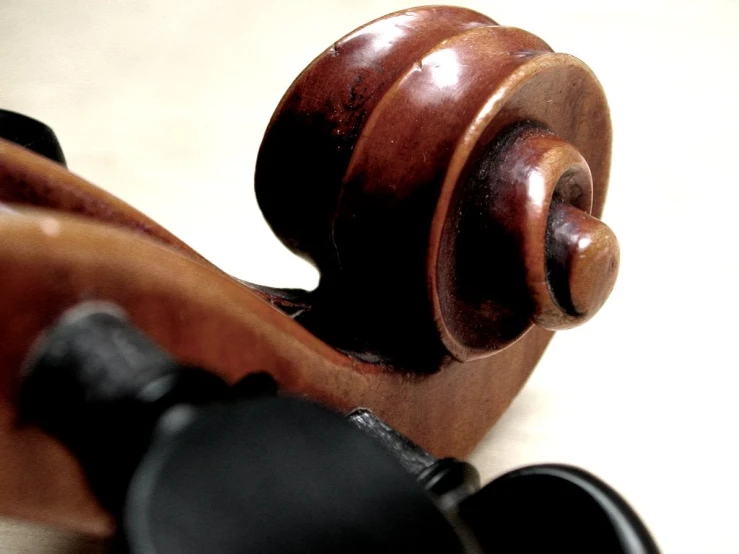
411,456
31,134
448,481
99,385
276,475
253,385
554,508
190,465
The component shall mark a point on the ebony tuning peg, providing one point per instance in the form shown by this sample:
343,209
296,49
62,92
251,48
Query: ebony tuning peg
189,464
554,508
31,134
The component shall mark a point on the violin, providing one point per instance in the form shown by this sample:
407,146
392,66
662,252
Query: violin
446,176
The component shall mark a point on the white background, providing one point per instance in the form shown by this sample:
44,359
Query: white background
164,103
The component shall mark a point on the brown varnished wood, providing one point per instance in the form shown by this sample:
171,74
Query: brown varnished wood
512,261
446,176
537,172
31,180
583,258
203,317
26,178
555,92
321,116
386,236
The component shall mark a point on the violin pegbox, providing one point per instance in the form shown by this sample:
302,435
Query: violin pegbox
445,174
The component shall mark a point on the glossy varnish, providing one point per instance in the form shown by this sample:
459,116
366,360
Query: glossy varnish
446,176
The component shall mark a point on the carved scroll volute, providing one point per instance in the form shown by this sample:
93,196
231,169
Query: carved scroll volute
525,248
405,279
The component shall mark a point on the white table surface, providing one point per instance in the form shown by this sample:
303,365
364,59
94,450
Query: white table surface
164,103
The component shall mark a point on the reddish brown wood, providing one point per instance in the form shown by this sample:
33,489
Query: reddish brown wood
444,173
203,317
582,259
399,281
31,180
321,117
26,178
526,208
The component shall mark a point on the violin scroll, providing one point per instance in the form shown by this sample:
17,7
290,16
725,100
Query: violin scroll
417,174
445,174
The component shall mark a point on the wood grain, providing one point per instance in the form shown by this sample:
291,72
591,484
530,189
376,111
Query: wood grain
394,164
205,318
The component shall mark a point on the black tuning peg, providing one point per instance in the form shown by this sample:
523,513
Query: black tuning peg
539,508
190,464
554,508
31,134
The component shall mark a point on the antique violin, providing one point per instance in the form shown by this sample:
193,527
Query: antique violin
446,176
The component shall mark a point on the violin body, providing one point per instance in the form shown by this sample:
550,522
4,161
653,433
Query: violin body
447,187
